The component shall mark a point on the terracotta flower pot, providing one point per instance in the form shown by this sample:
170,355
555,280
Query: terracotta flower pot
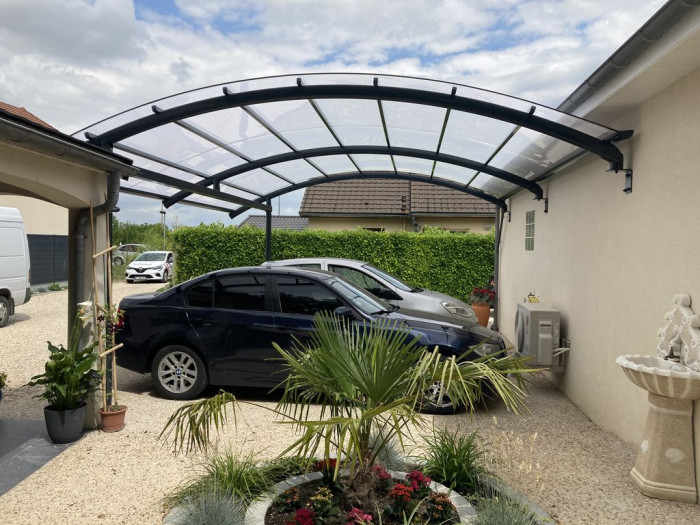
113,420
483,312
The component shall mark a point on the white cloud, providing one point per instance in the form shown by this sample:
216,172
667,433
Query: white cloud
74,62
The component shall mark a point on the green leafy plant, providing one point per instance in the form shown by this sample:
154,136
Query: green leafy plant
55,287
456,460
500,510
3,379
68,376
232,474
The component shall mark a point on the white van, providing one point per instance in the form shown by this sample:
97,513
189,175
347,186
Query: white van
15,273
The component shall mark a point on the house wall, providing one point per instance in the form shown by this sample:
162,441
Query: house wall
335,224
473,224
612,262
40,217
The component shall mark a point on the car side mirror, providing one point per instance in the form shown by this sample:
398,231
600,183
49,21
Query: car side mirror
344,311
389,294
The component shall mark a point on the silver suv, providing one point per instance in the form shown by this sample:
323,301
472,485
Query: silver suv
387,286
127,253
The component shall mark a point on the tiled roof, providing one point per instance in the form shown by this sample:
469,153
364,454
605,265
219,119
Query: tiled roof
279,222
22,112
389,197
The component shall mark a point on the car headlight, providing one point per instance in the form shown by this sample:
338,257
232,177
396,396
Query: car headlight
457,309
487,349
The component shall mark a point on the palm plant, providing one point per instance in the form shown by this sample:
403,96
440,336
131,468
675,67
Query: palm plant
369,382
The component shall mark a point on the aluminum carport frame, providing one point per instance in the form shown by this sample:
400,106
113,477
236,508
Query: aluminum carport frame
238,145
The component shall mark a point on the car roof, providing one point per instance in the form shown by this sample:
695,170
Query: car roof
306,260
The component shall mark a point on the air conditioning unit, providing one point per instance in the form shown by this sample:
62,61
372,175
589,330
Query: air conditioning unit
537,335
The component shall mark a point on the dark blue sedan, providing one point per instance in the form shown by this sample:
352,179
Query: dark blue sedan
219,328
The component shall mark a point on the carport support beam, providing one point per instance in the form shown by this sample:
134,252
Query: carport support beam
268,230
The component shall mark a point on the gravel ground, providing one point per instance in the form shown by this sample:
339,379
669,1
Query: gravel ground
555,455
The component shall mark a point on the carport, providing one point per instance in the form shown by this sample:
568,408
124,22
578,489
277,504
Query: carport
233,146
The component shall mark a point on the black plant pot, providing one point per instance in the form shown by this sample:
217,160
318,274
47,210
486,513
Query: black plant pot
65,426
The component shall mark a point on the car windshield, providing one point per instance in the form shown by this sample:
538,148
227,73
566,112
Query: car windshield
358,297
391,278
151,256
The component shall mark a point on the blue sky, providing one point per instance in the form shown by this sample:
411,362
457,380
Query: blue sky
75,62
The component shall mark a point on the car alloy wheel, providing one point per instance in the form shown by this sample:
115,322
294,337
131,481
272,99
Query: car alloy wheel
118,261
434,404
178,372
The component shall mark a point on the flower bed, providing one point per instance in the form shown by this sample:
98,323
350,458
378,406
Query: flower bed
402,493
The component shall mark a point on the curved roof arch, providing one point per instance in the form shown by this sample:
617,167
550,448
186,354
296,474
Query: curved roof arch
233,146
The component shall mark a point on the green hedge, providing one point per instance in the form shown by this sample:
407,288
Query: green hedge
450,263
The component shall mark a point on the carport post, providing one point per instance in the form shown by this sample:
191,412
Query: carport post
268,229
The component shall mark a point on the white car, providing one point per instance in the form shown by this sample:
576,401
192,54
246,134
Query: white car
150,266
386,286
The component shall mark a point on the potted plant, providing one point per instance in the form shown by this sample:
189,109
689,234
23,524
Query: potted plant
68,379
109,320
369,382
481,300
3,378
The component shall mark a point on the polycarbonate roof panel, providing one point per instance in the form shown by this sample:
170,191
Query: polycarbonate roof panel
250,138
373,162
335,164
453,173
413,165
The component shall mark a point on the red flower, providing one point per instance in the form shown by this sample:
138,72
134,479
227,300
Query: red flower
401,492
326,464
381,472
418,479
358,517
303,516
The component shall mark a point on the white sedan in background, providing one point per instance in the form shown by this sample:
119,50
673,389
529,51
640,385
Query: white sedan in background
150,266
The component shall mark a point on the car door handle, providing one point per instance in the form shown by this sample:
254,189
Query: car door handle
289,330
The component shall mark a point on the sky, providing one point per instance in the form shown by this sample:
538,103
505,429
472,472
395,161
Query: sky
75,62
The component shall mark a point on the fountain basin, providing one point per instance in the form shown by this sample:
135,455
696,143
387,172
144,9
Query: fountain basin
661,377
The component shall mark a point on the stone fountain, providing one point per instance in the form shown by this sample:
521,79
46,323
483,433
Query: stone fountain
665,466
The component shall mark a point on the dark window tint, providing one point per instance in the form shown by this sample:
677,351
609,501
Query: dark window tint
309,265
299,296
240,292
200,296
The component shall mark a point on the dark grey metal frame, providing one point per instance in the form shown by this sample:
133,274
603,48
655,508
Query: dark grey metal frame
604,148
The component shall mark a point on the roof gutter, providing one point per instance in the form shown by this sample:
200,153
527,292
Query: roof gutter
649,33
44,141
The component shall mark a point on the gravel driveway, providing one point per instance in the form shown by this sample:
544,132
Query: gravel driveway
555,455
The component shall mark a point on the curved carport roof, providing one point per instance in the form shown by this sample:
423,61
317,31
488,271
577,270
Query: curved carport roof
233,146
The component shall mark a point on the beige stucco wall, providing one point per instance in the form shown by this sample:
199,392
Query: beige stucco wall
473,224
610,261
40,217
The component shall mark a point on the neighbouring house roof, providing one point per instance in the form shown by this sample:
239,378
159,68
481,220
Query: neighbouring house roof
22,112
389,198
279,222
